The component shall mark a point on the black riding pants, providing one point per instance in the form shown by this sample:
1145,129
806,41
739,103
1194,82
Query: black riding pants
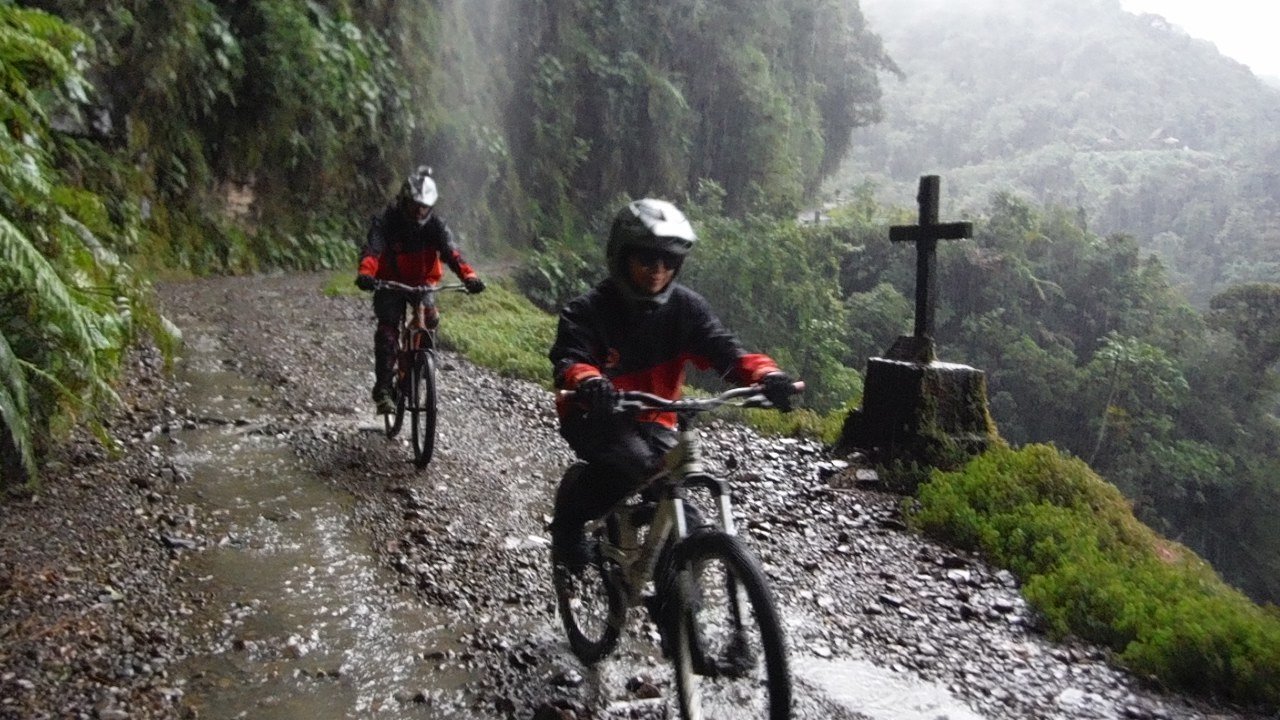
389,306
622,455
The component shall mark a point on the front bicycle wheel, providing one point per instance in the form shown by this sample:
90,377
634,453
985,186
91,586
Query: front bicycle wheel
422,392
727,644
592,605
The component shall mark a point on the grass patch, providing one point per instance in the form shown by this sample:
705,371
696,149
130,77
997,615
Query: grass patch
1093,570
501,330
800,422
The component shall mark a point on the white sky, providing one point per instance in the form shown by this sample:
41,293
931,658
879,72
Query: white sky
1243,30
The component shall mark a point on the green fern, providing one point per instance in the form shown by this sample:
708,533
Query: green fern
28,268
13,406
70,304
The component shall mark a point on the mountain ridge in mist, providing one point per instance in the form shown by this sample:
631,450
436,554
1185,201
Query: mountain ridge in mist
1126,118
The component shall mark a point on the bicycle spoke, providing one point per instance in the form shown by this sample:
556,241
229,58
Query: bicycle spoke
732,649
591,607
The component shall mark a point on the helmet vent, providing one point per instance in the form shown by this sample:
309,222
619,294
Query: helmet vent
651,210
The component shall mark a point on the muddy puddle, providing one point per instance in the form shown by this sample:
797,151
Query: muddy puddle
313,624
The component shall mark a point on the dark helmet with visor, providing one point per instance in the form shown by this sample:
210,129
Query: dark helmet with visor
647,225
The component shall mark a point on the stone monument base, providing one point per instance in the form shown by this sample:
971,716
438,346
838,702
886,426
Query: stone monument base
932,413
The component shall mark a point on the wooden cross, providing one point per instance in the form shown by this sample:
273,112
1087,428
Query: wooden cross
926,236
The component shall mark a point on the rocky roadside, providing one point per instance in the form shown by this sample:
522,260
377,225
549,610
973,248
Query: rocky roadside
91,576
98,596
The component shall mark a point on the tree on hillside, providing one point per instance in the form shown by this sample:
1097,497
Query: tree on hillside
637,98
1252,314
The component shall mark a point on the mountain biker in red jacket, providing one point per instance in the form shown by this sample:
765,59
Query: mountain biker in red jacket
636,330
408,243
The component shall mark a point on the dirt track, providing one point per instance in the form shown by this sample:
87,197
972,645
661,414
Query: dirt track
98,608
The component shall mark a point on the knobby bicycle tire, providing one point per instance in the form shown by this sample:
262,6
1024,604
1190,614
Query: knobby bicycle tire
423,406
727,665
592,607
392,422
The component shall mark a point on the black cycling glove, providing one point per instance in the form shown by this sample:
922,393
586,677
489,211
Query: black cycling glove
778,389
598,394
474,285
365,282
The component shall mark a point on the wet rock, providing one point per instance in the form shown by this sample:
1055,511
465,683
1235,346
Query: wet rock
643,688
567,678
559,709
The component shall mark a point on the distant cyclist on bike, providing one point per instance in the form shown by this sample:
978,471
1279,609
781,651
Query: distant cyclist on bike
636,330
407,243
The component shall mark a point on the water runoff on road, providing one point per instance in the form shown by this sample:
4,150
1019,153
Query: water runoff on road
313,626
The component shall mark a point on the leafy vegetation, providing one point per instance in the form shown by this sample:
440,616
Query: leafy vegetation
634,98
68,305
1092,570
236,127
775,283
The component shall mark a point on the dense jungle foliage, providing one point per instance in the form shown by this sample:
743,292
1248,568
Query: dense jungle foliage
236,137
142,138
1122,118
68,305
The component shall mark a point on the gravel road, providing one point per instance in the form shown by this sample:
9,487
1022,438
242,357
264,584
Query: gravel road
105,612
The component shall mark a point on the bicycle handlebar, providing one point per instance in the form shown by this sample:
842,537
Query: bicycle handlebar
422,289
745,396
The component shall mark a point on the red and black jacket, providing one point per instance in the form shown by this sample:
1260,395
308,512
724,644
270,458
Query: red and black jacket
400,249
646,348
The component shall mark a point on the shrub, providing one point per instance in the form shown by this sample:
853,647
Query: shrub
1093,570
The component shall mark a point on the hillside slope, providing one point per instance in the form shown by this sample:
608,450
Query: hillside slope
1126,119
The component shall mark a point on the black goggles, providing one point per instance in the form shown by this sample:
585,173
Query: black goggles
649,258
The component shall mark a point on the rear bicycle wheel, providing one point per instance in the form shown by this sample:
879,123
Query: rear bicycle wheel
592,605
392,422
422,400
726,636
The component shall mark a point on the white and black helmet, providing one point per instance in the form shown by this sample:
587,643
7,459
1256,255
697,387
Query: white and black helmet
420,188
647,224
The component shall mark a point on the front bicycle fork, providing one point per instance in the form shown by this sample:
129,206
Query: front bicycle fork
685,462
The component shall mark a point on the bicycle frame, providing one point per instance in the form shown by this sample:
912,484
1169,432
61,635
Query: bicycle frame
413,329
683,468
414,326
415,381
